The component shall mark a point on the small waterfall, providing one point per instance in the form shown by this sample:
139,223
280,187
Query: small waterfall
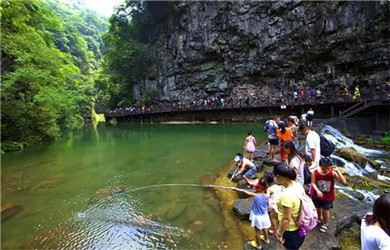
354,169
348,191
341,141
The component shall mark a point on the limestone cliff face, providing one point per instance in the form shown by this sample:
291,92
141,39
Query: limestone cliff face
225,49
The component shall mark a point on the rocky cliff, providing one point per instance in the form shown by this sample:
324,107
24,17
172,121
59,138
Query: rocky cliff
205,49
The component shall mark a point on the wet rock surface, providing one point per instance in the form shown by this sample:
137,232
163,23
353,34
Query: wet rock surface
52,182
9,210
242,208
351,154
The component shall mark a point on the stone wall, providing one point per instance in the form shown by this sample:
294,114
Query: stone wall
264,48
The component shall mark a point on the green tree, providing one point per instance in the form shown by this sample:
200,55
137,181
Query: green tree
42,86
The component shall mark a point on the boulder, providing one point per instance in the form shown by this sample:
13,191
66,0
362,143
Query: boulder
355,194
231,172
242,184
351,154
242,208
8,210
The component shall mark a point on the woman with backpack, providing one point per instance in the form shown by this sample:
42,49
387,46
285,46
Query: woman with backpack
289,233
295,160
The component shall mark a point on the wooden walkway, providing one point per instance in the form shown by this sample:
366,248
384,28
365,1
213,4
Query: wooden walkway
352,108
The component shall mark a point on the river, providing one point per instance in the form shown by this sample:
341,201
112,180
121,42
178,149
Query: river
65,189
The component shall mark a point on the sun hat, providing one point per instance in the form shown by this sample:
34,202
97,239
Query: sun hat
238,158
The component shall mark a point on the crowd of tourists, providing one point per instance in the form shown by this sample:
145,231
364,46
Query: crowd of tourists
297,97
300,184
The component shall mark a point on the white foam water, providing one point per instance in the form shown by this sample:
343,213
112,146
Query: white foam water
341,141
369,196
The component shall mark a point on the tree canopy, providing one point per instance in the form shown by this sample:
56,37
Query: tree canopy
49,59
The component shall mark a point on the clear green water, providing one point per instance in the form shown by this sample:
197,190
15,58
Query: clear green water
58,185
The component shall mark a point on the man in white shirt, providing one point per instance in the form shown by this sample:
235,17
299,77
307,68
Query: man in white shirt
312,147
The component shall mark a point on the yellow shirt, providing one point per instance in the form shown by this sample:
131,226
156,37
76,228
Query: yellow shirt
289,198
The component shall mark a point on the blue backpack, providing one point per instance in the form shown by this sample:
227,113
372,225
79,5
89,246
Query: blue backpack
266,127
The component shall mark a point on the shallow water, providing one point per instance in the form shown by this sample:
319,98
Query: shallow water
58,186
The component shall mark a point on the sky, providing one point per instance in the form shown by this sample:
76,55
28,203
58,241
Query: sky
104,7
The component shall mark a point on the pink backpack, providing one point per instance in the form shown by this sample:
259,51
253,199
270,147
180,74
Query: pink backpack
308,217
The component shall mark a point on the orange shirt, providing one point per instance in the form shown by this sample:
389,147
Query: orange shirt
287,136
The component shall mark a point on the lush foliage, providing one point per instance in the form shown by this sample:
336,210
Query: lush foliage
127,57
46,71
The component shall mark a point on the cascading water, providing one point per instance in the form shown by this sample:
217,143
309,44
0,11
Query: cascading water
341,141
354,169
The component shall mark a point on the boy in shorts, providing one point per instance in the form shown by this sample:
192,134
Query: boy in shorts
322,181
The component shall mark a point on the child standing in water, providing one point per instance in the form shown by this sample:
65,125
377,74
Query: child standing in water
259,214
250,145
322,181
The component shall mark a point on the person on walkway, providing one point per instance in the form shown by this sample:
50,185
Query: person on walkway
312,146
310,117
250,145
272,138
318,95
356,94
375,227
292,124
322,181
295,160
246,167
303,94
295,96
259,215
312,94
346,93
284,134
289,204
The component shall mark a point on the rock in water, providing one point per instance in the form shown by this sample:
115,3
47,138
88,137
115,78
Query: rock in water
9,210
242,184
106,192
242,208
352,155
54,181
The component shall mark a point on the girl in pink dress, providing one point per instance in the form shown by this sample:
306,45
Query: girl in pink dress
250,145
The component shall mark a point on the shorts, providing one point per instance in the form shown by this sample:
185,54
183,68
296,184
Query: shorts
273,141
292,239
310,117
251,173
327,205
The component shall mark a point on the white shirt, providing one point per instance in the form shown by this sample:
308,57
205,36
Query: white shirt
313,141
373,237
298,163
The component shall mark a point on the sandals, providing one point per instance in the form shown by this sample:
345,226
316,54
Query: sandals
324,228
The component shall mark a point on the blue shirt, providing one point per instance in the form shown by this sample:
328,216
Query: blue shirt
260,204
